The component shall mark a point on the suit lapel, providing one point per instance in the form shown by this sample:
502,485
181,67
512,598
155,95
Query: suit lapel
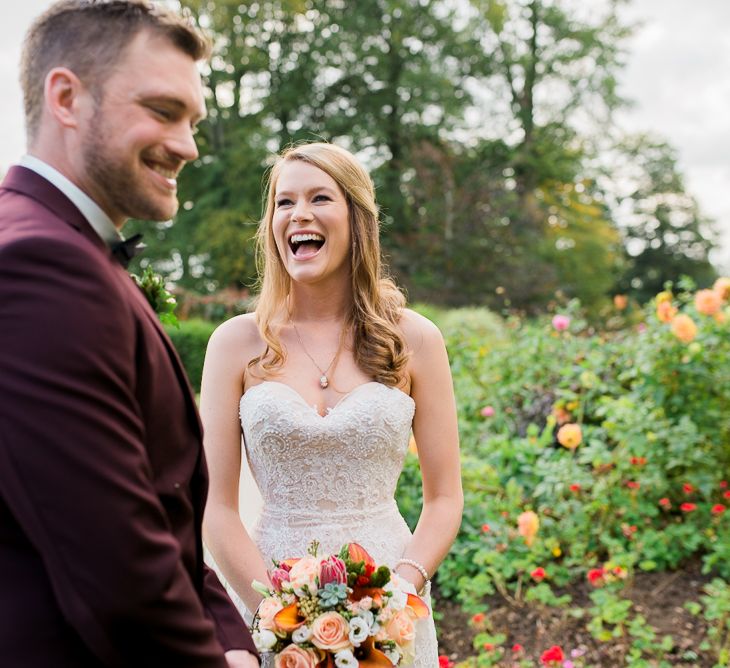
182,377
27,182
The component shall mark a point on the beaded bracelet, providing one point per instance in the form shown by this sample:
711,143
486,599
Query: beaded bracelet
426,590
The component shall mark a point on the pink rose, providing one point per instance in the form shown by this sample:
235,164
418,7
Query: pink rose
266,612
333,570
561,322
330,632
305,573
293,656
278,576
401,628
487,411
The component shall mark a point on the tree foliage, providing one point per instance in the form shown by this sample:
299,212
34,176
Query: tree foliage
478,119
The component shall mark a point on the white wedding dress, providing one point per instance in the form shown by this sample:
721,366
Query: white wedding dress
331,478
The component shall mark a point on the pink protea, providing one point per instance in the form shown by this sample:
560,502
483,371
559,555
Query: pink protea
278,576
333,570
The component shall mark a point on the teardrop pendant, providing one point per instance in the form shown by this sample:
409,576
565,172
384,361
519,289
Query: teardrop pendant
323,382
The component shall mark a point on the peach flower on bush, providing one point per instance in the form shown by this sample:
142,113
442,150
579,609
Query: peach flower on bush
527,525
305,573
620,302
401,628
684,328
570,435
707,302
267,610
665,311
722,287
293,656
330,632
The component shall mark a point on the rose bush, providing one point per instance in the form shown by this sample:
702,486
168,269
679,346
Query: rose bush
636,483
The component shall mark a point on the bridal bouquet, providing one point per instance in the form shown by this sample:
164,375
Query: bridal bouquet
336,611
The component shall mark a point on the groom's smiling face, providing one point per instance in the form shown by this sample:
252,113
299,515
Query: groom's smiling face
141,131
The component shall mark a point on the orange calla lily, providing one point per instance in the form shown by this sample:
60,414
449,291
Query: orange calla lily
357,553
288,563
419,607
288,619
327,661
370,657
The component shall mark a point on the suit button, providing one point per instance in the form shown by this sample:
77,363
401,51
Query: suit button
176,485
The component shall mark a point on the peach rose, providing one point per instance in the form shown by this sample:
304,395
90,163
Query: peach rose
305,573
722,287
570,435
401,628
266,612
293,656
330,632
684,328
665,311
708,302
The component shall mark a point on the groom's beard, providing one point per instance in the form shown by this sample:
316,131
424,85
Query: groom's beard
123,179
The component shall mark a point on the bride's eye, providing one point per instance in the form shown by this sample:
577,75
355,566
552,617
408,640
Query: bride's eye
283,202
321,198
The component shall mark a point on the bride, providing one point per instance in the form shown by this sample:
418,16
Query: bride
327,379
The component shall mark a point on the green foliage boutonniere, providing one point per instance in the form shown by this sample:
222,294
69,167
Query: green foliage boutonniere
160,299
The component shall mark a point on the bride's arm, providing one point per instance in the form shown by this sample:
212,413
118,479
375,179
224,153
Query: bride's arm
437,438
229,350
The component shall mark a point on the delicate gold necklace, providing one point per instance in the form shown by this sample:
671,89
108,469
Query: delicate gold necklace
323,380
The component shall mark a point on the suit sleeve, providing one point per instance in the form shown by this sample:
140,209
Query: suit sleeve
231,632
73,467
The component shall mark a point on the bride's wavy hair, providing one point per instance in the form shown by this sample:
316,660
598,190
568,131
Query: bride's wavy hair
377,304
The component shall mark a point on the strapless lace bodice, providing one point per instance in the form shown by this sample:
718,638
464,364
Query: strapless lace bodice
331,478
310,465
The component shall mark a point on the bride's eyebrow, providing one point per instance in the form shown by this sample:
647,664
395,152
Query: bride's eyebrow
310,191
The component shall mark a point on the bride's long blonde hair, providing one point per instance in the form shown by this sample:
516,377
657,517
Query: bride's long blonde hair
379,345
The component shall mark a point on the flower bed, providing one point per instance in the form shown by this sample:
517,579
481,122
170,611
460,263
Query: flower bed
591,458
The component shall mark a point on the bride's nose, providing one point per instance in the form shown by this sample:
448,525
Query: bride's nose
301,211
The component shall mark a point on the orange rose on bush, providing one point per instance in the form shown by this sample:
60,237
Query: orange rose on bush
722,287
684,328
296,657
329,631
708,302
527,525
570,435
620,302
665,311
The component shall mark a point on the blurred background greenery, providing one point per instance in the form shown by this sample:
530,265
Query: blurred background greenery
488,126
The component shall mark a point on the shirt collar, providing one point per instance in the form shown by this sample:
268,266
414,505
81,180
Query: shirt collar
99,221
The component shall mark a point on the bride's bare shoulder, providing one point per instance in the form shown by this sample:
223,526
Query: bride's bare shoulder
419,331
238,337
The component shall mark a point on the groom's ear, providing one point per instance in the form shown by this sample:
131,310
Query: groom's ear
66,98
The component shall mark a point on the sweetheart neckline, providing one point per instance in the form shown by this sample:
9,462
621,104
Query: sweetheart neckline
330,410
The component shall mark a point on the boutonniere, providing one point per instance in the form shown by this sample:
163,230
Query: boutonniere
160,299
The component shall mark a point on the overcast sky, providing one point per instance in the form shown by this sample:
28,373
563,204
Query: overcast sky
678,74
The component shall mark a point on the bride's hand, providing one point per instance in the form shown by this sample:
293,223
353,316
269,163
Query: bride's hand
239,658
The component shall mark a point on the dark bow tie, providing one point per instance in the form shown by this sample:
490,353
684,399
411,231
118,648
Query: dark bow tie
125,250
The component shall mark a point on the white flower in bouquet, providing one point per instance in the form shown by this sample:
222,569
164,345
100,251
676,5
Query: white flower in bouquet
302,634
359,631
264,640
393,655
346,659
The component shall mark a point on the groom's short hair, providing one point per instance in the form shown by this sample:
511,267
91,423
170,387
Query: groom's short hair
89,37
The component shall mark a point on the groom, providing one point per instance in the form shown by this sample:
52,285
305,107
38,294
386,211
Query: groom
102,475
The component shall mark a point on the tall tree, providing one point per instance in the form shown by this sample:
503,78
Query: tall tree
666,235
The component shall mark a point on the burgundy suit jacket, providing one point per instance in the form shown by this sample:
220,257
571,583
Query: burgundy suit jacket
102,475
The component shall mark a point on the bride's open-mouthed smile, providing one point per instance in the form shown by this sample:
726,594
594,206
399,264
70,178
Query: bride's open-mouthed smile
310,223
